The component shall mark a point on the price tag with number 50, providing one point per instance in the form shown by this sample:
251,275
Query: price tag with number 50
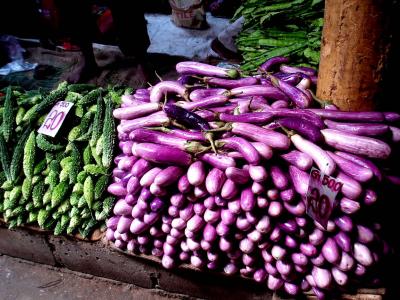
55,118
321,196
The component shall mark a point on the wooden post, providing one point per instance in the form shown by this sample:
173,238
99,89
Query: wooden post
354,49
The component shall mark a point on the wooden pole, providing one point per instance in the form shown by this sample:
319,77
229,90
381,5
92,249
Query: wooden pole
354,49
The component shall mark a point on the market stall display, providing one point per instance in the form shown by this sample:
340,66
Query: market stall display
57,183
231,174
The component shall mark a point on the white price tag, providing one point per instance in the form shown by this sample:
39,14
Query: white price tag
55,118
321,196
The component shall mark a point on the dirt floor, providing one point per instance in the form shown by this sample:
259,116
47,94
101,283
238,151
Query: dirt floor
23,280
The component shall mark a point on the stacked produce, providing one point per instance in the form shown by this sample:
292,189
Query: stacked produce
271,28
57,183
214,171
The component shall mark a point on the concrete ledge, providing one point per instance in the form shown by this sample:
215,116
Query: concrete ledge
24,244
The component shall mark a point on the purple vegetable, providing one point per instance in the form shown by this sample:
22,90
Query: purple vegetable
361,145
272,62
219,161
122,208
365,235
207,102
330,251
161,154
349,116
283,268
229,189
308,250
243,224
322,277
184,185
274,283
299,179
231,269
237,175
303,127
260,275
126,162
395,134
155,119
352,169
362,162
271,270
230,83
262,202
263,150
126,147
300,259
269,137
196,173
195,223
117,189
279,178
200,94
133,112
257,188
290,242
339,276
344,223
258,173
278,252
251,117
162,88
349,206
343,241
110,235
199,192
299,98
269,92
291,288
296,113
140,168
209,233
199,208
196,68
324,162
303,70
148,178
246,245
224,244
247,200
350,188
254,236
318,260
244,147
367,129
185,117
298,209
362,254
212,216
214,181
299,159
156,204
289,226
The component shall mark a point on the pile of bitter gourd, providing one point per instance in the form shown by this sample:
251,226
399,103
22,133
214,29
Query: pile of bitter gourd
289,28
57,183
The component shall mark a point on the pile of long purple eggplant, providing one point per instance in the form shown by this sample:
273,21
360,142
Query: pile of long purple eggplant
214,172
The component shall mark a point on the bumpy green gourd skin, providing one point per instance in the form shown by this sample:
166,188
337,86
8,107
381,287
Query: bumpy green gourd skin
8,115
4,158
108,135
95,170
28,163
100,186
45,145
90,98
38,194
88,191
15,166
59,193
98,122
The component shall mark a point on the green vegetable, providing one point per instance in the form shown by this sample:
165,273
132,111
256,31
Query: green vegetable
88,191
15,194
20,115
87,156
15,166
108,135
29,206
82,202
38,194
64,207
88,228
90,98
100,186
4,158
28,163
95,170
99,146
43,215
27,188
59,193
32,216
98,122
73,224
80,87
74,133
75,164
74,199
47,196
43,144
82,176
8,115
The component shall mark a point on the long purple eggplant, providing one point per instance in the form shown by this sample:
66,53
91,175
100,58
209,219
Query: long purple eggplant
133,112
296,113
155,119
298,97
219,161
352,169
186,117
184,134
196,68
214,181
212,101
150,136
200,94
161,154
299,179
299,159
302,127
240,176
351,188
351,116
361,145
243,146
272,62
324,162
254,117
230,83
269,92
368,129
362,162
162,88
196,173
168,176
392,116
259,134
279,178
304,70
